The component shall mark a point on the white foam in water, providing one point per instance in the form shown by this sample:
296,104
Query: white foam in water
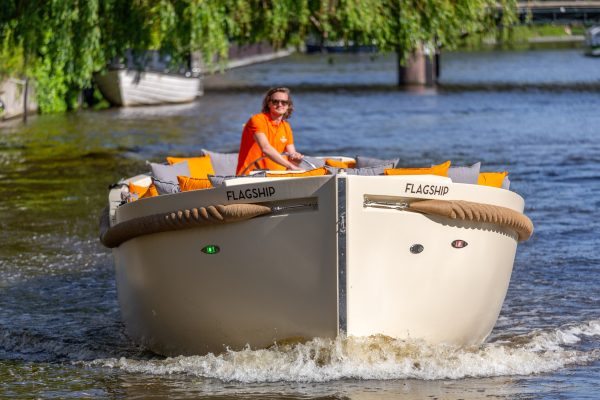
380,358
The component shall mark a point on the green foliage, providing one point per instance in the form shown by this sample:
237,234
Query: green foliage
58,42
61,43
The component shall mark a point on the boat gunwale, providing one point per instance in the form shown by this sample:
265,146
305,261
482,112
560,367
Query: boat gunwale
218,195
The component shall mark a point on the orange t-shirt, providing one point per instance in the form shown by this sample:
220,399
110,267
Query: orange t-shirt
279,137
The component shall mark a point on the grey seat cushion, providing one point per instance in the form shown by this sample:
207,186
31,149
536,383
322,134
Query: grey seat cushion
167,174
363,162
317,162
465,174
364,171
219,180
163,187
224,164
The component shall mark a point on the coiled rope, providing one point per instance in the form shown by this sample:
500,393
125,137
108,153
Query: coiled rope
466,210
176,220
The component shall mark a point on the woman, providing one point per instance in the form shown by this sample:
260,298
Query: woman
269,134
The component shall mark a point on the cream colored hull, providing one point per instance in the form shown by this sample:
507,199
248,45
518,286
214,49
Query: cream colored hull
441,295
315,271
126,88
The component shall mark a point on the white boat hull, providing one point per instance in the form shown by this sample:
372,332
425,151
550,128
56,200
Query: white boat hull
442,295
13,98
341,267
593,51
592,41
124,87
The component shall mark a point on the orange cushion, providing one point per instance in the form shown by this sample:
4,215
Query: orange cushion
186,183
200,167
312,172
493,179
340,164
141,192
152,191
440,170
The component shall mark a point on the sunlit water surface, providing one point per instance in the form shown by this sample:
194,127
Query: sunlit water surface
60,329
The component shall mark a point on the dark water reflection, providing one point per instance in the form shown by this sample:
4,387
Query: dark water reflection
57,293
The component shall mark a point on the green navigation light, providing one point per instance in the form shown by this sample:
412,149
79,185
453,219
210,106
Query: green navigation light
211,249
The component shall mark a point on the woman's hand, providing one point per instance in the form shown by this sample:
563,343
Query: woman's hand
295,157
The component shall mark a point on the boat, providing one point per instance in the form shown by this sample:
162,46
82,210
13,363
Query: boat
125,87
592,41
281,257
17,98
148,79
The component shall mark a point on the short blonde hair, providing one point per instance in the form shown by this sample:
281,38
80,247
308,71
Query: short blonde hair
270,93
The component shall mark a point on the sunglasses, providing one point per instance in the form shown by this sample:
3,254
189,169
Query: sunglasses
282,102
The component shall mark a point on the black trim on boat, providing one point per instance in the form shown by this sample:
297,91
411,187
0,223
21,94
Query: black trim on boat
341,238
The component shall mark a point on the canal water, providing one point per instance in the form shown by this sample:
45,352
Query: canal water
533,113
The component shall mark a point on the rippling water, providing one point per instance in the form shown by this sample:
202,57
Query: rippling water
60,330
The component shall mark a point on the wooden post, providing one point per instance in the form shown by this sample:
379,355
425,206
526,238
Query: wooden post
420,68
25,99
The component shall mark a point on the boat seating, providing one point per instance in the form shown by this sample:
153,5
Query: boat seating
216,168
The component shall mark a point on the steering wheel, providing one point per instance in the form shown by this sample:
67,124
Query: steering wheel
303,160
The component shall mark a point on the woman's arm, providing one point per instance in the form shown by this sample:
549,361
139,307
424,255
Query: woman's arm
270,151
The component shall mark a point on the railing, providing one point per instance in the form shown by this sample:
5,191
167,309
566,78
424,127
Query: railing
587,12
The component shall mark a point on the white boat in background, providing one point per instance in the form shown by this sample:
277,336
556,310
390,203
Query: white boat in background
264,260
592,41
17,98
149,78
126,87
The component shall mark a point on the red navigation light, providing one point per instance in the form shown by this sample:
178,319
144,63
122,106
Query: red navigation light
459,244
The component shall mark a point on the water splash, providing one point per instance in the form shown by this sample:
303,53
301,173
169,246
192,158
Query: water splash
381,358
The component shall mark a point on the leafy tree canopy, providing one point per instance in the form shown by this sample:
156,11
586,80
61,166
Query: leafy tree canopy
61,43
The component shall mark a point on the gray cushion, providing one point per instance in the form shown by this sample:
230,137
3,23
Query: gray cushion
163,187
317,162
362,162
218,180
465,174
223,163
167,174
365,171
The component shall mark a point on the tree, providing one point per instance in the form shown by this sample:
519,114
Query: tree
61,43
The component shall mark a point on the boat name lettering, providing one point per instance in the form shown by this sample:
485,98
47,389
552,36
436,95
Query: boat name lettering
251,193
438,190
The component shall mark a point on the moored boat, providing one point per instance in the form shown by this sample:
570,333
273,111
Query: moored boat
258,260
17,97
127,87
592,41
148,79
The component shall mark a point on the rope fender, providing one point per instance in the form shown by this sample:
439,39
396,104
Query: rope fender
219,214
176,220
466,210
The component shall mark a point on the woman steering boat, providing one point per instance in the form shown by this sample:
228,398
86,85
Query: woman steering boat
269,134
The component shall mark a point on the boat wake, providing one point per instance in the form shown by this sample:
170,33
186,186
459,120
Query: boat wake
383,358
